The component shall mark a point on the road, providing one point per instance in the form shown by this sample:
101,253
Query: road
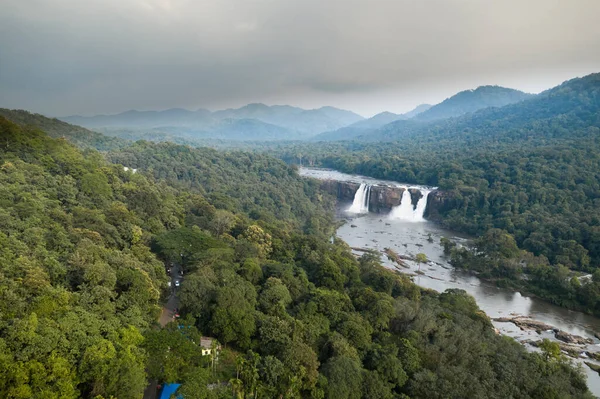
168,311
167,315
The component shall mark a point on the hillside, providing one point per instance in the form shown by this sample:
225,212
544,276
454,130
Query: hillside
77,135
389,126
557,112
473,100
298,315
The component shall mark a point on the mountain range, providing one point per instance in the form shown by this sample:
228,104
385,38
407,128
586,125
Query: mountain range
562,110
251,122
490,110
260,122
473,100
360,127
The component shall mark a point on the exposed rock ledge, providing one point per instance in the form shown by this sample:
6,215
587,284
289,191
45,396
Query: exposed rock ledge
527,323
382,198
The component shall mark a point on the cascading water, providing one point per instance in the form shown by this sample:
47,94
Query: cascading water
421,206
360,204
406,211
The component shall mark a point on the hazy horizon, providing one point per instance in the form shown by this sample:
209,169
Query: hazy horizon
106,57
410,108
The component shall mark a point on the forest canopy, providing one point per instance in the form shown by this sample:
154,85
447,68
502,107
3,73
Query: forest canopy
82,276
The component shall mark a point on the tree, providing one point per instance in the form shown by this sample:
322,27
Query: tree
233,313
222,222
275,297
344,378
420,259
256,235
251,270
551,350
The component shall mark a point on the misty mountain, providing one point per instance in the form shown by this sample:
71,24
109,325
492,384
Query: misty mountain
247,129
418,110
309,122
563,111
361,127
270,122
144,119
473,100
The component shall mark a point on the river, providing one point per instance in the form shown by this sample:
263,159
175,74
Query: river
379,231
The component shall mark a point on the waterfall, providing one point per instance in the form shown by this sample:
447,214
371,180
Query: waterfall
361,198
421,206
406,211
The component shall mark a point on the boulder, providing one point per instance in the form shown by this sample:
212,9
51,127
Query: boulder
572,339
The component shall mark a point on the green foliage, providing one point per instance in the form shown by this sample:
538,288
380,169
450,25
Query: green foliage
530,169
58,129
80,289
421,258
78,282
258,186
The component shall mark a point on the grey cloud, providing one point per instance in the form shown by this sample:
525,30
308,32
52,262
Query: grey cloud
71,56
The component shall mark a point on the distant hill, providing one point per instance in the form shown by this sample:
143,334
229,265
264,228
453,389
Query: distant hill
224,129
361,127
417,111
144,119
473,100
55,128
308,122
292,122
561,111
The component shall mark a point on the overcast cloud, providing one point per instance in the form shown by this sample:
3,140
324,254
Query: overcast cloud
62,57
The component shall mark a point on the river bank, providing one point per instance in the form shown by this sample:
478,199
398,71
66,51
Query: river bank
378,232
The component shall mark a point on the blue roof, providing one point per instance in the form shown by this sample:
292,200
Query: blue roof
168,390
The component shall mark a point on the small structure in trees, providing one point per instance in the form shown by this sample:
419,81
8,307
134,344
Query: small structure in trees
210,346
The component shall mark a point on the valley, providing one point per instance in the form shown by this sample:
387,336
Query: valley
469,260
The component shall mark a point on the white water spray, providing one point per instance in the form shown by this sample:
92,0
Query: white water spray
421,206
360,204
406,211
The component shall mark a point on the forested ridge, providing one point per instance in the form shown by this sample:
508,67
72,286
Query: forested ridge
77,135
81,285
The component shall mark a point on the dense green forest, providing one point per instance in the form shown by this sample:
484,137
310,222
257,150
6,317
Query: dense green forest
530,169
82,276
262,187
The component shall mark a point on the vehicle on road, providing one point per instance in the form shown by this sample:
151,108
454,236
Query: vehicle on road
177,283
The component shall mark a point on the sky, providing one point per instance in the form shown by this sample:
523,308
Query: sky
67,57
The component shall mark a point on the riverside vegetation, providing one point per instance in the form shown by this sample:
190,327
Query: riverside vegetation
82,250
528,169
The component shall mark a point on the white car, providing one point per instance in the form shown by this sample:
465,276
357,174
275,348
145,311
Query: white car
176,283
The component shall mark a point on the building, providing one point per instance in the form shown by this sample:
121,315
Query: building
206,343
